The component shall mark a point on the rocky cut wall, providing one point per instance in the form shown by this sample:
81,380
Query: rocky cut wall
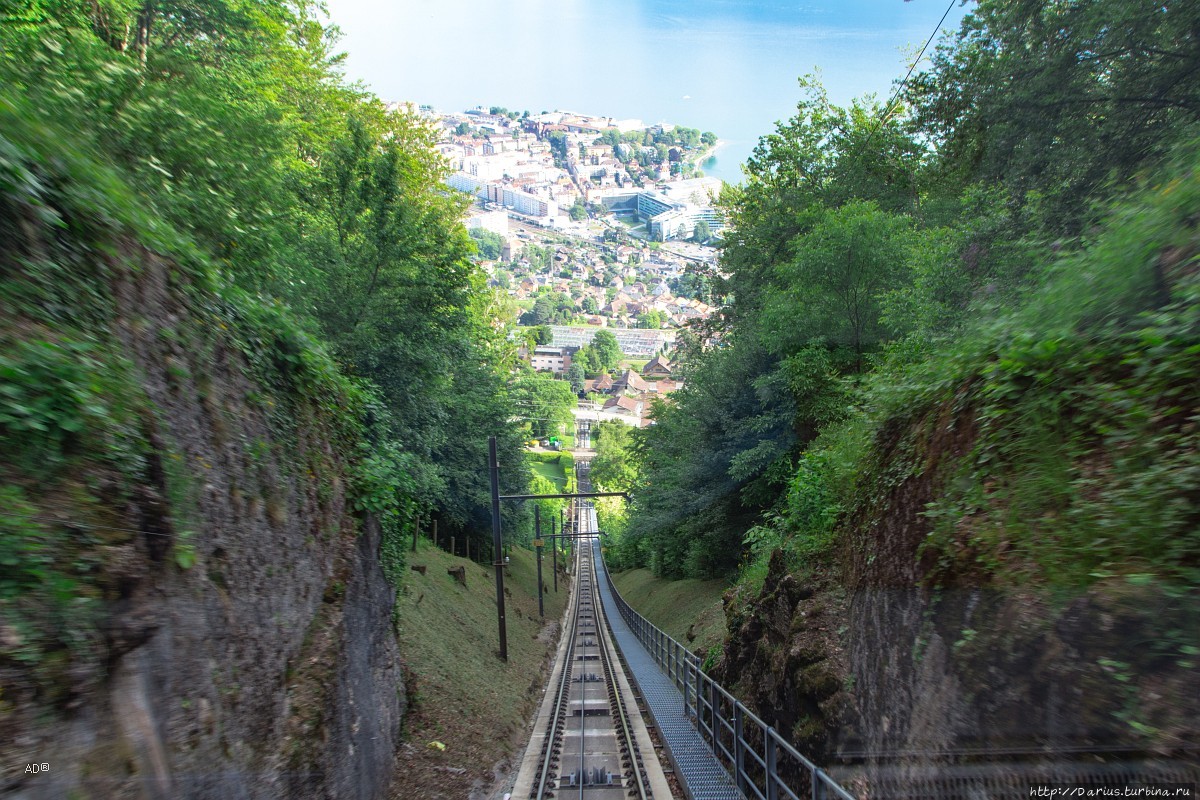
902,684
976,674
240,639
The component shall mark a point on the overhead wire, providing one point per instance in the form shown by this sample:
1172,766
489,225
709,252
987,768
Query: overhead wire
896,94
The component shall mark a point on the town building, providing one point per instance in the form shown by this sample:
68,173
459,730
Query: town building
552,359
657,367
494,221
630,382
625,406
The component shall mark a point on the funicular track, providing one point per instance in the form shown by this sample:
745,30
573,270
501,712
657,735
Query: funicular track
589,742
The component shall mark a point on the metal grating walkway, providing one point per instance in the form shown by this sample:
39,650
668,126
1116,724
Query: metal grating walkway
697,768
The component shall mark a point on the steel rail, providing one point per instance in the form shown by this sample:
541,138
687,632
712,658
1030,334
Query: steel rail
591,584
589,626
622,714
557,715
634,777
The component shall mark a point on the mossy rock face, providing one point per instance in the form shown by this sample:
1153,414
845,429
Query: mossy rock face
808,734
806,654
1023,671
784,660
819,681
192,570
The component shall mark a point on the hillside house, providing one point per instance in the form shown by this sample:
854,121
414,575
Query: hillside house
657,367
551,359
625,406
630,381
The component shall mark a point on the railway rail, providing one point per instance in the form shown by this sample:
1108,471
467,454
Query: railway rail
590,741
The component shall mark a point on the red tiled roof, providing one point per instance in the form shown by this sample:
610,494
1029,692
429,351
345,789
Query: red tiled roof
630,404
657,362
632,381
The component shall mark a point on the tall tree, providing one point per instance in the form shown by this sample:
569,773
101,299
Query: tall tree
576,377
819,243
833,288
234,122
545,402
1053,99
607,350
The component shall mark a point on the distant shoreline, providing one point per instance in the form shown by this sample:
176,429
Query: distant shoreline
733,165
709,152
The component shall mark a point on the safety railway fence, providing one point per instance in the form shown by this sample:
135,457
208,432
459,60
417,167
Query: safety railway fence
759,761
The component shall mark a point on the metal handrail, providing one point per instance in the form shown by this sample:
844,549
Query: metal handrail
735,737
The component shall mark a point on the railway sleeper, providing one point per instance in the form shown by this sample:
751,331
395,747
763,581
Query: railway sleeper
595,776
591,712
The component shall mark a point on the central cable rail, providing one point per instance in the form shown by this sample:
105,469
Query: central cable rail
608,762
629,748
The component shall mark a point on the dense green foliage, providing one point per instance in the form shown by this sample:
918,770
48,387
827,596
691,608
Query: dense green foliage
652,319
1047,102
1009,254
612,470
490,244
602,354
576,377
1084,464
85,452
544,402
655,152
562,467
309,225
550,308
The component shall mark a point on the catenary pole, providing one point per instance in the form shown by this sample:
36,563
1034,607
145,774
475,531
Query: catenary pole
537,543
497,545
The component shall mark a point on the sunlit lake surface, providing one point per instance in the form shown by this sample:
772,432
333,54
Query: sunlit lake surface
722,65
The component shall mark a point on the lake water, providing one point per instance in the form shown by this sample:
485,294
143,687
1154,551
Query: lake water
721,65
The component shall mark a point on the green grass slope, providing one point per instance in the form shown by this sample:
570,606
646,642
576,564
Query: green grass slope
678,607
463,697
551,471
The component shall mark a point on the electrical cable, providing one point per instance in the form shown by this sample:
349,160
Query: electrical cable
896,94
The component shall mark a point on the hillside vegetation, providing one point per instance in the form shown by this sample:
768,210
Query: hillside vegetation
689,610
247,149
942,437
448,636
182,545
959,362
244,346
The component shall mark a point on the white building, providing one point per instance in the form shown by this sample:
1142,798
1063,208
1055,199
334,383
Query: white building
492,167
528,204
674,211
494,221
464,182
697,191
551,359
